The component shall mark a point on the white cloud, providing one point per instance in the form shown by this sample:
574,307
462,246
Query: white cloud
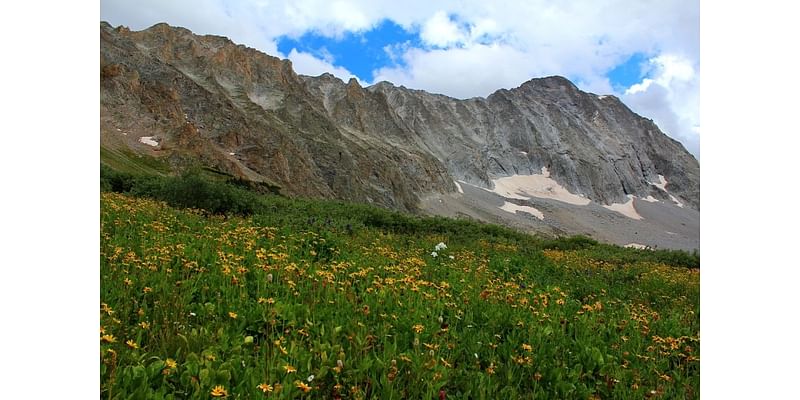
671,97
349,16
447,71
484,28
440,31
307,64
639,87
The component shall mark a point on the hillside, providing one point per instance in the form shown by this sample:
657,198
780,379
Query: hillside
291,304
542,157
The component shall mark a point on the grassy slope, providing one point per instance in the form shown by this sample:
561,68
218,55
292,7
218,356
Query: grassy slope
234,301
130,162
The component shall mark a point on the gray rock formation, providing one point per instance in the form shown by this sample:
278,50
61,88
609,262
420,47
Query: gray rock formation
249,114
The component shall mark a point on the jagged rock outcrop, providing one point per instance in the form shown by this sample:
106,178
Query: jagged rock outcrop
249,114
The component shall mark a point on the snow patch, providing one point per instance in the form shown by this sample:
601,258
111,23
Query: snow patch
513,208
662,184
627,209
636,246
523,187
231,154
149,140
601,97
523,153
460,190
650,199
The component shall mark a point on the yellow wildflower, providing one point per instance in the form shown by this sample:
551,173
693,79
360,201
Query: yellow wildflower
144,325
418,328
170,363
527,347
232,314
289,369
265,388
302,386
147,289
132,344
490,369
108,338
219,391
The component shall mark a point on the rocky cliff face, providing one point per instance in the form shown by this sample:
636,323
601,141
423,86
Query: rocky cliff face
250,115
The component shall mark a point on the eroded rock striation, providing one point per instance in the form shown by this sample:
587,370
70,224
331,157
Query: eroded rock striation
248,114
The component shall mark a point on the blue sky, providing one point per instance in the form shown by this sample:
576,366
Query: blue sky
645,52
363,53
629,72
360,53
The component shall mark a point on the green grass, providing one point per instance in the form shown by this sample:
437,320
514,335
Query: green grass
129,162
234,299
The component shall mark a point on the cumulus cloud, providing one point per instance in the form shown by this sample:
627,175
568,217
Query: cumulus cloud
471,48
441,31
308,64
671,98
447,71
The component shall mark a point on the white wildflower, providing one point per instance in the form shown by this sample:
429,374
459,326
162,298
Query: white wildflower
441,246
452,257
434,254
310,378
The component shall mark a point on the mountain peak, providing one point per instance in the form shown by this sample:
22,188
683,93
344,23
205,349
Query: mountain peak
249,115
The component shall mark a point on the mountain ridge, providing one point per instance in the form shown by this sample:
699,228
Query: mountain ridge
249,114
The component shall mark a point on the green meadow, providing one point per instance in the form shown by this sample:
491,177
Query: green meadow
211,289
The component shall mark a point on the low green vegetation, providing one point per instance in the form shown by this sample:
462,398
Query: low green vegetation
209,289
129,162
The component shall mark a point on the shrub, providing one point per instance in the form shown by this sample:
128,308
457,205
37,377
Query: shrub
190,190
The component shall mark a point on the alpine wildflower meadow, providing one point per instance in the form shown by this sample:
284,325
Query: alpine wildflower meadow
273,305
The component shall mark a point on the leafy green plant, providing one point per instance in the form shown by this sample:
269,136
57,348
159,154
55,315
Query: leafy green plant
320,299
